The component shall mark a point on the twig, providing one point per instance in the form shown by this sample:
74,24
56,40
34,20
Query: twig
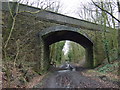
12,28
17,52
10,10
35,12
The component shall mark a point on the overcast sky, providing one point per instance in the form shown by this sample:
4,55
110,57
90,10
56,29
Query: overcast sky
70,6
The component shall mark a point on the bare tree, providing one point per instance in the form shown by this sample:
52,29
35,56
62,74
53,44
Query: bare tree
106,11
113,17
101,12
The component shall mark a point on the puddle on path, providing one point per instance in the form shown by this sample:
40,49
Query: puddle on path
63,71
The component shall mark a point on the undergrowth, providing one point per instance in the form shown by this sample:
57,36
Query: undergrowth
109,68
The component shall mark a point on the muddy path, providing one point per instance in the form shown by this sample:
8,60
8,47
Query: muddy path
72,79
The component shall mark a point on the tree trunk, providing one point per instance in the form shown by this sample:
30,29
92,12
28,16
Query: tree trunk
118,3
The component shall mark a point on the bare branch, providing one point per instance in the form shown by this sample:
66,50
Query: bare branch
105,11
36,11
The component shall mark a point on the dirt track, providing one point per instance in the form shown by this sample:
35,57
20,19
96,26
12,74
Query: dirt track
72,79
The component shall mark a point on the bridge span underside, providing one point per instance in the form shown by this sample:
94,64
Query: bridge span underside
58,33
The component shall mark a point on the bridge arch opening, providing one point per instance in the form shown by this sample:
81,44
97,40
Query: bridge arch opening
67,50
59,33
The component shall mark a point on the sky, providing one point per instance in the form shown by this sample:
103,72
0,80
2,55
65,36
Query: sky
66,47
70,6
